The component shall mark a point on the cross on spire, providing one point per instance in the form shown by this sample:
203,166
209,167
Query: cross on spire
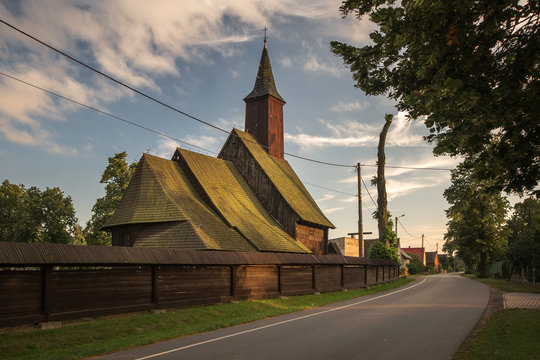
265,30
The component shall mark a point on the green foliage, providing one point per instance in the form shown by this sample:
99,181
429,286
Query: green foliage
448,263
116,178
389,235
32,215
509,334
477,215
524,240
378,250
415,266
469,69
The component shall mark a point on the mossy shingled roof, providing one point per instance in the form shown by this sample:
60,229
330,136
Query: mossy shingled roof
161,192
286,181
235,201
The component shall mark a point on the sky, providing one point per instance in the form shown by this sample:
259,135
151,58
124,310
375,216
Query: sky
201,57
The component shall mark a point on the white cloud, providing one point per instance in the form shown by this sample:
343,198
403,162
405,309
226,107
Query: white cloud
331,210
138,42
313,64
349,133
352,106
307,142
167,147
286,62
201,140
326,197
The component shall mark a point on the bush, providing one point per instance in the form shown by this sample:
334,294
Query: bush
415,266
379,251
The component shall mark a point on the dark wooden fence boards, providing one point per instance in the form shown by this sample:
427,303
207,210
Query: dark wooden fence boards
59,282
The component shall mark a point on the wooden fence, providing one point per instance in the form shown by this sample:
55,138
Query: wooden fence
71,284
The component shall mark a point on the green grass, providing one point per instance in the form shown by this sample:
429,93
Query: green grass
510,334
103,335
508,286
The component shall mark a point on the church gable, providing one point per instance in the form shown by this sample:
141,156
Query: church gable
234,200
161,193
280,176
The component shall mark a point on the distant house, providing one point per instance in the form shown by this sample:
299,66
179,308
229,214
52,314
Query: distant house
404,257
347,246
247,199
420,252
432,259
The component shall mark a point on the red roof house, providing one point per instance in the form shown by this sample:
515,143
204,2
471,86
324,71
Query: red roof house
420,252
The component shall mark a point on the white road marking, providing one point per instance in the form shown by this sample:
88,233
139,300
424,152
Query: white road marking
276,324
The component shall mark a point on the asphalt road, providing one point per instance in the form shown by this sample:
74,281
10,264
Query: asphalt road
427,319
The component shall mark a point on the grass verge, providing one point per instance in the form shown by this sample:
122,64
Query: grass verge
508,286
510,334
103,335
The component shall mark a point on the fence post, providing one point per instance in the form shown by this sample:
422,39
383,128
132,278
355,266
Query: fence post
279,279
46,283
342,276
233,281
314,277
365,275
155,286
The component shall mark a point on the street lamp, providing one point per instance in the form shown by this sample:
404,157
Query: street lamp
397,217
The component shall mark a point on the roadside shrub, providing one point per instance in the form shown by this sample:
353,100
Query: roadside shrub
415,266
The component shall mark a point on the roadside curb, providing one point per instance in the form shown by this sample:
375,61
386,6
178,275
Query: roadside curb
494,305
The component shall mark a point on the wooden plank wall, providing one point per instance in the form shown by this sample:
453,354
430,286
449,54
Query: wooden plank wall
48,294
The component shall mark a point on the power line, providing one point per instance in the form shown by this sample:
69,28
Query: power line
409,167
149,97
365,187
326,188
403,227
105,113
135,124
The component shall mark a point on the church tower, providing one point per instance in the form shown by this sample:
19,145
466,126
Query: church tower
264,109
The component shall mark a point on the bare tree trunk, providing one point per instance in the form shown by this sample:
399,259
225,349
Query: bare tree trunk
381,182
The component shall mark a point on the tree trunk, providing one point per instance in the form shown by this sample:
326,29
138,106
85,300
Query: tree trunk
483,265
381,183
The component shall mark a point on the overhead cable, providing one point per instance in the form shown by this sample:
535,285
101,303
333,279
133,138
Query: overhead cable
139,92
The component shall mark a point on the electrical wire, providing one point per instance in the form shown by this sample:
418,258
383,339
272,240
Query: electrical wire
137,125
365,187
403,227
106,113
149,97
326,188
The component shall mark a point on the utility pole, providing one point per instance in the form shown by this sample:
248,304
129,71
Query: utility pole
422,241
360,222
396,218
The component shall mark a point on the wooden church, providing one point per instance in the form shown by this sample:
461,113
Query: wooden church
247,199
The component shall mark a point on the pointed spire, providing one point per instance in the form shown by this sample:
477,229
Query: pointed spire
264,84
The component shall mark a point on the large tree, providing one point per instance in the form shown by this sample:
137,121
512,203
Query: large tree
469,68
32,215
116,178
524,238
476,219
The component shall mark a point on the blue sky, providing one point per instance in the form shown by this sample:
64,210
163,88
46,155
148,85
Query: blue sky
201,57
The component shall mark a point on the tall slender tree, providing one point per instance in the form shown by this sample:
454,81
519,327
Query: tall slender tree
116,178
476,219
382,202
